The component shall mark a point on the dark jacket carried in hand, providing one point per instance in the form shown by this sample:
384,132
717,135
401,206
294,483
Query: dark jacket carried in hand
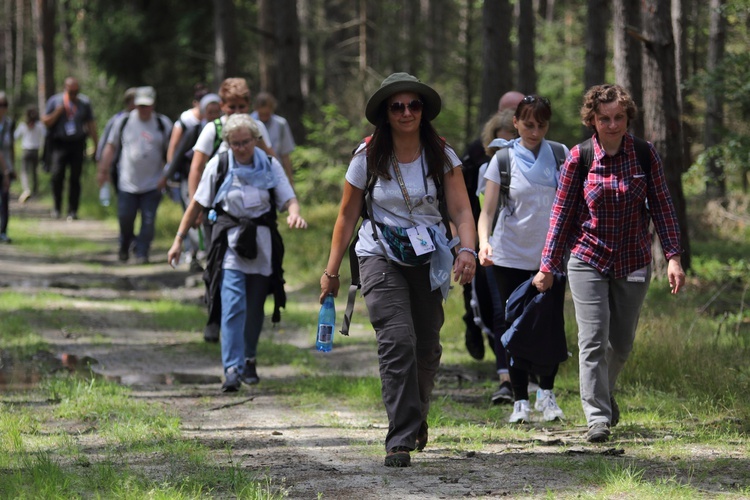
535,340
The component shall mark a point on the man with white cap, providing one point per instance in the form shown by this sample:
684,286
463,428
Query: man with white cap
143,137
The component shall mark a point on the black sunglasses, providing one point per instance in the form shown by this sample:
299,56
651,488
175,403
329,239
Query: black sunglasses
415,106
3,104
531,99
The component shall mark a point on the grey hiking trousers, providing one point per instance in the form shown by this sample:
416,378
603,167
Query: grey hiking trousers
407,317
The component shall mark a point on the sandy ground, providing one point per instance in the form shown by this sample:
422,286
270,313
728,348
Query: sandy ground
307,452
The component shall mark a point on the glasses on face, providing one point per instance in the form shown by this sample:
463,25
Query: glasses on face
241,144
3,104
531,99
399,108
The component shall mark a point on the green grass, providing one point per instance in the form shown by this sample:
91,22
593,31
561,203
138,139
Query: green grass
36,464
686,385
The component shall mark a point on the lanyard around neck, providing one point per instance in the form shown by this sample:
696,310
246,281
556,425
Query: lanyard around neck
402,185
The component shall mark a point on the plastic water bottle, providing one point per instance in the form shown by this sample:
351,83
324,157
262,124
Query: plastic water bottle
104,196
326,325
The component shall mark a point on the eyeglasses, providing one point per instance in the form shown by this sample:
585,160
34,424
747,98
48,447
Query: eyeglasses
399,108
531,99
241,144
3,104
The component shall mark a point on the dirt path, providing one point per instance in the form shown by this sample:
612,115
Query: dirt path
305,450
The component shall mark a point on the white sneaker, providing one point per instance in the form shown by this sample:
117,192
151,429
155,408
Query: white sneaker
521,411
547,404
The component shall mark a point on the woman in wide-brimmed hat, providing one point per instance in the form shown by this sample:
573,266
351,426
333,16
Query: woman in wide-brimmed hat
404,253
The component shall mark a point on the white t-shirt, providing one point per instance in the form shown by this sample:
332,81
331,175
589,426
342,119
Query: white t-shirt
518,237
279,133
142,153
31,138
388,204
187,120
236,205
205,142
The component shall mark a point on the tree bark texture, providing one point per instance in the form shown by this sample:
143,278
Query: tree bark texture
267,66
661,111
225,53
628,54
597,21
526,56
714,121
497,54
288,74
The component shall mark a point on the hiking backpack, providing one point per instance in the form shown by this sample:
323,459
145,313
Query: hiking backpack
114,169
503,164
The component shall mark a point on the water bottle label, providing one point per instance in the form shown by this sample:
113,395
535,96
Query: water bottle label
325,333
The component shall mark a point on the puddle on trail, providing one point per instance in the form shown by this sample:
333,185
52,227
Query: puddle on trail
19,376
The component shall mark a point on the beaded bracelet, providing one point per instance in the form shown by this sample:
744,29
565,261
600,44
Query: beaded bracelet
331,276
467,249
181,235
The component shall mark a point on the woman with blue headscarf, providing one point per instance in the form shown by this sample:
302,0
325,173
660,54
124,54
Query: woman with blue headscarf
513,247
242,188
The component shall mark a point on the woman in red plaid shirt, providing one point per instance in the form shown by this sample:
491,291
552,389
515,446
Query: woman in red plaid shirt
602,216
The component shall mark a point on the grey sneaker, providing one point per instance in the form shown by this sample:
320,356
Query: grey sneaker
598,432
615,411
504,395
231,380
249,373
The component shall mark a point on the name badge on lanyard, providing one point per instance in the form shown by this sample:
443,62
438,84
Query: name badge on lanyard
420,240
638,276
70,127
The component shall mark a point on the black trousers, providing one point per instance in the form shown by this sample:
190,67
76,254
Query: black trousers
64,155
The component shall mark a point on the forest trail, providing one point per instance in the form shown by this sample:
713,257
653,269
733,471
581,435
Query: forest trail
307,452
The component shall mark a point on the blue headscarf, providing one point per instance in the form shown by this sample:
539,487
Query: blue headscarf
258,175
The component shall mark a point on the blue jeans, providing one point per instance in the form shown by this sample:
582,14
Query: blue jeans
242,299
128,205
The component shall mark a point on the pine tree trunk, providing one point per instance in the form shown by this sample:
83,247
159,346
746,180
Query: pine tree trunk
716,185
526,55
267,66
627,54
497,77
288,91
661,113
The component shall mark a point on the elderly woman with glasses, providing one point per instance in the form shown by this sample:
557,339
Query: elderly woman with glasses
242,189
404,173
512,243
611,187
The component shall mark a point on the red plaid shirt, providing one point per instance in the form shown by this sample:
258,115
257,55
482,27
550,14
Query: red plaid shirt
604,219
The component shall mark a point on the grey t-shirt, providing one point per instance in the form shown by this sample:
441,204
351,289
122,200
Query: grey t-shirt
246,201
388,204
142,151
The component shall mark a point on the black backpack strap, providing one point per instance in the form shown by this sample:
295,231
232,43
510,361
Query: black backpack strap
356,282
503,165
559,153
643,153
585,157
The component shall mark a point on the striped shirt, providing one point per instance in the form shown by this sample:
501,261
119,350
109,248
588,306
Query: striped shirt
604,220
